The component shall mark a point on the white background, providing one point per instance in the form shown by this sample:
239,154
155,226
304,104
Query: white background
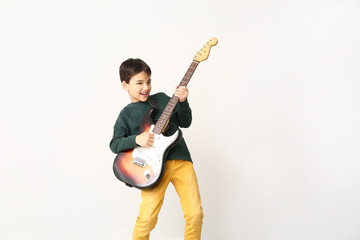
275,136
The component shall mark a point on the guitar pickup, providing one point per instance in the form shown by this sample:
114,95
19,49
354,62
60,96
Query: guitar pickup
140,162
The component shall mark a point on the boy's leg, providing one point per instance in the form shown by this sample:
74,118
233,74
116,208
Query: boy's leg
186,185
152,200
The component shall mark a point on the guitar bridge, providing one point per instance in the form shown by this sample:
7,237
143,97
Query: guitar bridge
140,162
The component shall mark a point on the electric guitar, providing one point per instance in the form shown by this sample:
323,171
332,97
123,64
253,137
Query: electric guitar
144,167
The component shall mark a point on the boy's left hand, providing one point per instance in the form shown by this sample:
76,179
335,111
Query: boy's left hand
182,93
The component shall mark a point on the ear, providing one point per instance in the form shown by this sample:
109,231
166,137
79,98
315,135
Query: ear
125,85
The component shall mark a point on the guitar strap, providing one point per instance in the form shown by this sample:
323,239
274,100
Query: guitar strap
152,102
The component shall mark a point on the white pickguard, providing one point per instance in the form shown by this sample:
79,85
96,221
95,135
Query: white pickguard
153,156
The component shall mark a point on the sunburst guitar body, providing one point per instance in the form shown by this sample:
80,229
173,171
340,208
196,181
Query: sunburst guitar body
143,167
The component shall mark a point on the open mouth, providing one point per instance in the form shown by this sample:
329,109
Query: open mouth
144,94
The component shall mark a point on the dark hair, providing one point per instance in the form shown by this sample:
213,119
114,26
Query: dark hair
131,67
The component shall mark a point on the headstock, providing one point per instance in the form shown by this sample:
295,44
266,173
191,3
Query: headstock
203,53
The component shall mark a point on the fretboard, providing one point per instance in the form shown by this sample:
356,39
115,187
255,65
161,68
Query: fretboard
166,114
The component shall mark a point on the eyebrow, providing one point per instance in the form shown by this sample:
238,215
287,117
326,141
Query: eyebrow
142,80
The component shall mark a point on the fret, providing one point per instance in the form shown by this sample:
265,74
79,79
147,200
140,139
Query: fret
166,114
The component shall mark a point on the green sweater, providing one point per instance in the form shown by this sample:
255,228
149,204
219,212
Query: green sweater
129,120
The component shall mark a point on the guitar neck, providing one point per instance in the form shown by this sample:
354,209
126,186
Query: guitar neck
166,114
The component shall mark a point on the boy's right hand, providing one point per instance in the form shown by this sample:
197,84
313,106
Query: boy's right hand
145,139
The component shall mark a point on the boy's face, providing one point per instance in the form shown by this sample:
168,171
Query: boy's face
139,87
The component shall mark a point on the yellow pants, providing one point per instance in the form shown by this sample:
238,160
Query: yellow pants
182,175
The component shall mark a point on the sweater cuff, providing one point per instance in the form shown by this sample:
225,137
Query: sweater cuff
132,141
184,104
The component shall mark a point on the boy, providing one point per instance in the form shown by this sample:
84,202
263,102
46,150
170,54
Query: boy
135,79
